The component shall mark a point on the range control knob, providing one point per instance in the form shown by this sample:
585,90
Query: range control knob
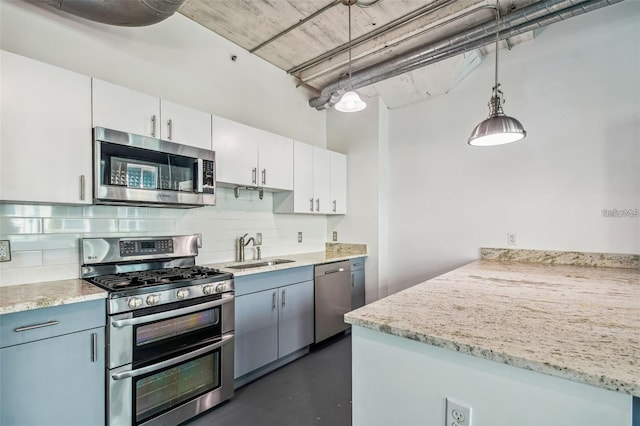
134,302
153,299
182,294
220,288
207,289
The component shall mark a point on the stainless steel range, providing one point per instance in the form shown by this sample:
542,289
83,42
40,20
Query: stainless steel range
170,328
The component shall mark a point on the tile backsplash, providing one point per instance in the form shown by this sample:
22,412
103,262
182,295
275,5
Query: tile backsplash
45,239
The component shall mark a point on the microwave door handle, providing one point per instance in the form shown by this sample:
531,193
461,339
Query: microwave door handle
172,313
200,176
173,361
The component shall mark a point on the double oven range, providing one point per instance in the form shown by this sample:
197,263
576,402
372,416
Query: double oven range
170,324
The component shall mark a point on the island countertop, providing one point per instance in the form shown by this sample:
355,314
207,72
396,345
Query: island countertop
572,321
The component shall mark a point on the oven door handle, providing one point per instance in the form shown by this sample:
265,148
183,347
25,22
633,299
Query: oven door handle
226,298
173,361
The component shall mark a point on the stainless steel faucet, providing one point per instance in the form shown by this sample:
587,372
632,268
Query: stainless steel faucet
242,244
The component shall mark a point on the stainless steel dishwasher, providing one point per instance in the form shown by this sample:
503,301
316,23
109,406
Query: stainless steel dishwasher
332,298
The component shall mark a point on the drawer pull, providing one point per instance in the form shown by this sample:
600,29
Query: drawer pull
33,327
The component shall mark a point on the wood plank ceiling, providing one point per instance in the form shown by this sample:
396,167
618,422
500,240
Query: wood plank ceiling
309,38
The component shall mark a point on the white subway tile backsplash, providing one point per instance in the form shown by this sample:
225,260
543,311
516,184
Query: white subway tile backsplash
44,241
38,274
147,225
20,225
23,259
26,210
115,212
60,257
58,226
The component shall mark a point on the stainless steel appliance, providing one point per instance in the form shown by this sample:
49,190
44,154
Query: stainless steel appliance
332,285
138,170
170,328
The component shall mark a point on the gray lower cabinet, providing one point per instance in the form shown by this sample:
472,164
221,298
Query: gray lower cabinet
52,366
357,283
274,317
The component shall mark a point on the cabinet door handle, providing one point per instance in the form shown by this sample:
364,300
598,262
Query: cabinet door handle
33,327
311,205
335,204
153,125
82,187
273,301
317,204
284,298
352,283
254,176
170,129
94,347
264,176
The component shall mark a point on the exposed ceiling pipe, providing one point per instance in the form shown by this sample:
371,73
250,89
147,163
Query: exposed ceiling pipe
129,13
526,19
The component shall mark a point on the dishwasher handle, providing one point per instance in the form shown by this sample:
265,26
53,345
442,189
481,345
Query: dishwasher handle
333,271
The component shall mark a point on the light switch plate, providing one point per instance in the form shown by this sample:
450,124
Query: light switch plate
5,251
199,240
259,238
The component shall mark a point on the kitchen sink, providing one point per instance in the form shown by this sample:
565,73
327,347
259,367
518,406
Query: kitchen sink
260,264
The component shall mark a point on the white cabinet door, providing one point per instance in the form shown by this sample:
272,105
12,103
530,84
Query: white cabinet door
236,147
275,158
45,136
116,107
184,125
303,201
338,183
322,180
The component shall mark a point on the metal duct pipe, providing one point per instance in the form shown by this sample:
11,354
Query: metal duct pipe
129,13
526,19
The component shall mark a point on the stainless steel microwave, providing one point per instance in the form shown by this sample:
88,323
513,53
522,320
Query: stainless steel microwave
136,170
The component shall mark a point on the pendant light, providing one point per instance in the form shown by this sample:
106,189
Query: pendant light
350,101
498,128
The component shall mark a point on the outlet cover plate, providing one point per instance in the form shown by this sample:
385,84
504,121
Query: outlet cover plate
335,236
299,237
457,414
258,238
5,251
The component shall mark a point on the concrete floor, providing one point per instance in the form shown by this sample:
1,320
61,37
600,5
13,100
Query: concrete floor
314,390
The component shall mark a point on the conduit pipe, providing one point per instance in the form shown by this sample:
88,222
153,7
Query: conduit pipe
526,19
127,13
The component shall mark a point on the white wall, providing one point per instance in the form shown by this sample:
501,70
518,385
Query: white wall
175,59
576,90
178,60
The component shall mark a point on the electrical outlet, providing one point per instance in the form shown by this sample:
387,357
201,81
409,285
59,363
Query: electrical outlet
457,414
199,240
512,239
299,237
259,238
5,251
335,236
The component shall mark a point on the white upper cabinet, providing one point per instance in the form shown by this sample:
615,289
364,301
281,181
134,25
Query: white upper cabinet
185,125
338,183
318,188
119,108
253,157
45,133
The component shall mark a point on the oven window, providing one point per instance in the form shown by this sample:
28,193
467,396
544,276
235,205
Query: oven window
174,327
169,388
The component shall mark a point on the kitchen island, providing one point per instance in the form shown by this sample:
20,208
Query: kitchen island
522,337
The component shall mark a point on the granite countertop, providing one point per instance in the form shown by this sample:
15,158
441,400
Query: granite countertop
334,252
570,315
24,297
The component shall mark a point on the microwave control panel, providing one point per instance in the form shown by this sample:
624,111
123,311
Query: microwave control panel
208,177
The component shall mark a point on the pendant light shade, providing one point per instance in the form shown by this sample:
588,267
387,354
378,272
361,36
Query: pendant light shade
350,101
498,128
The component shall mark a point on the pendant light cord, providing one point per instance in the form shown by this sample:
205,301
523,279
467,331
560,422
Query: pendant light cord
350,83
495,87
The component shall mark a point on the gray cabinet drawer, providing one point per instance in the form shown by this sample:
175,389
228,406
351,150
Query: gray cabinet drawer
37,324
247,284
357,264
